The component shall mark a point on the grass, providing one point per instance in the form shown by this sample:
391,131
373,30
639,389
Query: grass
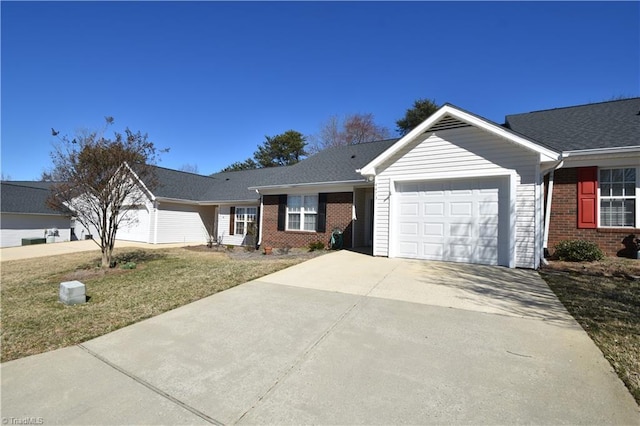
607,306
33,321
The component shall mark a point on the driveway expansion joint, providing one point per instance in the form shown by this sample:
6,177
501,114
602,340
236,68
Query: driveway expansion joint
151,387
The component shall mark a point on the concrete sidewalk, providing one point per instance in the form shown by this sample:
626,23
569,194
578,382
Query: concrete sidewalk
340,339
42,250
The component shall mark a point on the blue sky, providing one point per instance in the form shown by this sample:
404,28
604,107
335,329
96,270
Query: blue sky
209,79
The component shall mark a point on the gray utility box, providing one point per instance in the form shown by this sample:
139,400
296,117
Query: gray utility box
72,293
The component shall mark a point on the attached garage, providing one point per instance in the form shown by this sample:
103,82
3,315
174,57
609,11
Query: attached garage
454,220
460,188
135,227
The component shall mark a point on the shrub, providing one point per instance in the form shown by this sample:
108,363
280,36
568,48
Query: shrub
128,265
578,251
318,245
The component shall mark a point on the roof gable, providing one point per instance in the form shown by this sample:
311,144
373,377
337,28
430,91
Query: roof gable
592,126
451,117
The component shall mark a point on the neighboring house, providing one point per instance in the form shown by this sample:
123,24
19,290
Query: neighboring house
24,214
593,191
456,188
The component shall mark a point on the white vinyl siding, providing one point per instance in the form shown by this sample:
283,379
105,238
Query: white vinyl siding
17,226
180,223
460,153
135,225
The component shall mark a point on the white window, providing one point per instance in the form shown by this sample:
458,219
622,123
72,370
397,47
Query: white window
618,197
244,217
302,212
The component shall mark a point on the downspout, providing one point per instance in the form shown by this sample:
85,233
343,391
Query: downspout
547,212
156,206
353,218
260,216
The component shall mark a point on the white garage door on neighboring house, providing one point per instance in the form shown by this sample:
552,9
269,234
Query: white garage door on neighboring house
136,225
455,220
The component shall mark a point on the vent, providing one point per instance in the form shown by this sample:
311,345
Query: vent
447,123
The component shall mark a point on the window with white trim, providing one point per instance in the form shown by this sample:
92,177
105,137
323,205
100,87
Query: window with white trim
618,197
244,217
302,212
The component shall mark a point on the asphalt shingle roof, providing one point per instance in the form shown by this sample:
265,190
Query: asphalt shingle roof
600,125
25,197
180,185
337,164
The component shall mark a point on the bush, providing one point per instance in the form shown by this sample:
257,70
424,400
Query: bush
128,265
318,245
578,251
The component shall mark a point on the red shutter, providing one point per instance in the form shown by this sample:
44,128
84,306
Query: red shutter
232,220
587,197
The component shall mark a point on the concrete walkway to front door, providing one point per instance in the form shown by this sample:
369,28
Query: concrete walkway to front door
344,338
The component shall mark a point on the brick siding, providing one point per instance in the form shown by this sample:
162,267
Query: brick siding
339,215
563,224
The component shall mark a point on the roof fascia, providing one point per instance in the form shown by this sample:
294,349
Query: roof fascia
474,120
602,151
151,196
174,200
231,202
39,214
298,185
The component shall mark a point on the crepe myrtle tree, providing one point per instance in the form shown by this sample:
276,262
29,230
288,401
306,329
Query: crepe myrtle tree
99,180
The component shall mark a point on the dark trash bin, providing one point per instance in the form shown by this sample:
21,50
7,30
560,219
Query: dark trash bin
336,239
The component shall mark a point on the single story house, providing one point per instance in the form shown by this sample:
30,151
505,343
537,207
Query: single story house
24,214
456,188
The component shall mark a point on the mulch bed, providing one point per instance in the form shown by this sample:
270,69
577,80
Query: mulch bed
249,254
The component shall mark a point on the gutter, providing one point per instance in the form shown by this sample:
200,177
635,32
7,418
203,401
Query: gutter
601,151
296,185
202,203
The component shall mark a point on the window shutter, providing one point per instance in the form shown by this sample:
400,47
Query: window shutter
282,212
587,197
232,221
321,221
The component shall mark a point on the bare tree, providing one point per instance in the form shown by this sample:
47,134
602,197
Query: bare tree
353,129
4,177
190,168
102,180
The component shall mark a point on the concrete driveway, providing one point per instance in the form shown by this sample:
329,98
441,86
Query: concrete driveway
344,338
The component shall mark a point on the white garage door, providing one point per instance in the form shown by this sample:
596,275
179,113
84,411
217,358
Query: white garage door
135,227
453,221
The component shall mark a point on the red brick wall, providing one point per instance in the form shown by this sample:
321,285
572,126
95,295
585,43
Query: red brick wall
563,224
339,215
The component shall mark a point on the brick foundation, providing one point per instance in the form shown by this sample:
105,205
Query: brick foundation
339,215
563,224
